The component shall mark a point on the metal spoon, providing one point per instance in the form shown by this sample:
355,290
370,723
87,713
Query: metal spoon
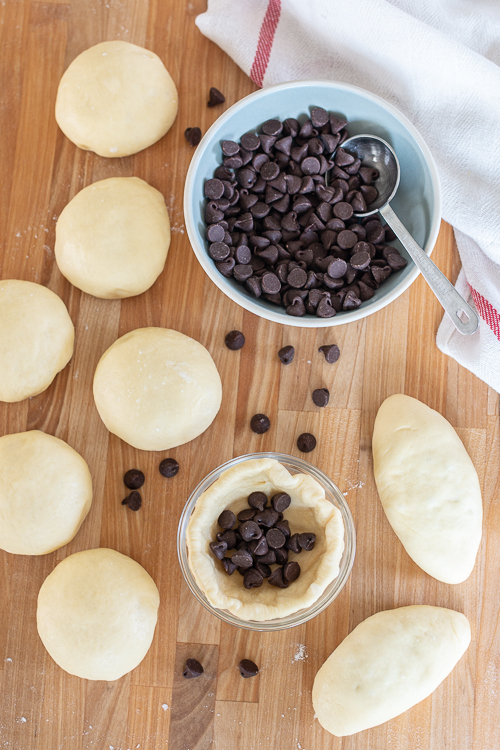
375,152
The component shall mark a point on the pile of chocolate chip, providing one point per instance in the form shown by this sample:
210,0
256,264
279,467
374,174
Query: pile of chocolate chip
276,226
262,538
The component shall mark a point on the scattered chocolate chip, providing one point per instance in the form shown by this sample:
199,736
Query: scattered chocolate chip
169,467
281,555
192,136
331,352
269,558
234,340
292,543
133,501
229,565
306,442
286,354
242,558
307,540
133,479
260,423
215,97
257,500
219,549
281,501
321,396
246,515
267,517
229,536
263,569
192,669
291,571
276,579
252,578
283,526
249,530
227,519
258,547
248,668
275,538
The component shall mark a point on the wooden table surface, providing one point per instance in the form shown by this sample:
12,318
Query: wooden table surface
42,707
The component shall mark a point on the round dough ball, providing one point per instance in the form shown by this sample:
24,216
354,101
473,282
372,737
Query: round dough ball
116,99
157,388
97,614
45,493
36,338
112,239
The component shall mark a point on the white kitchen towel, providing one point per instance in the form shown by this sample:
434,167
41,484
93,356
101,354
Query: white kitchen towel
438,62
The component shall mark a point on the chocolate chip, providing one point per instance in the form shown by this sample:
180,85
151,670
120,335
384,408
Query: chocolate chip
229,565
310,165
168,467
192,136
292,543
192,669
321,396
270,283
270,557
260,423
319,117
346,239
263,569
281,501
242,272
283,526
325,308
219,549
219,251
396,261
331,352
227,519
242,558
307,540
306,442
252,579
215,97
360,261
297,278
257,500
267,517
351,301
281,555
258,547
234,340
215,233
229,537
133,501
343,210
276,579
337,268
275,538
286,354
246,514
133,479
250,141
248,668
214,189
249,530
225,267
291,571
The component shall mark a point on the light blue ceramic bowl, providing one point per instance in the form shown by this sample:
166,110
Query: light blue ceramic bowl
417,201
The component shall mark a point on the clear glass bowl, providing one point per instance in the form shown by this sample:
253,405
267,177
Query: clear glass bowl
332,493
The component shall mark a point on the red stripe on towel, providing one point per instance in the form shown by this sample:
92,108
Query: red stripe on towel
265,43
487,312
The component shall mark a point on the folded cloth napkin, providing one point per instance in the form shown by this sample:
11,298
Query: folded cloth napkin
438,62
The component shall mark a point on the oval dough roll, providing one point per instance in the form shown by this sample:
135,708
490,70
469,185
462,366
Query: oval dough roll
389,662
428,487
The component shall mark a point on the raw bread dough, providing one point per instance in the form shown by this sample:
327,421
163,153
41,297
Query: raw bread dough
157,388
309,511
116,99
97,613
428,487
36,338
112,239
390,662
45,493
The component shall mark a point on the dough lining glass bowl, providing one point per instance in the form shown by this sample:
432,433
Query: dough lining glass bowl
325,594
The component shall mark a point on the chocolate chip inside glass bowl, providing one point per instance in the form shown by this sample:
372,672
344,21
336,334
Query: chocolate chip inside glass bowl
133,501
219,549
307,540
291,571
229,565
260,423
246,515
169,467
249,530
215,97
192,669
275,539
227,519
192,136
281,555
286,354
281,501
276,579
234,340
292,543
257,500
321,396
133,479
248,668
242,558
331,352
306,442
252,579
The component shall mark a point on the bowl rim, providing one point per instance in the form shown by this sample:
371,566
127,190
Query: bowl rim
332,590
247,302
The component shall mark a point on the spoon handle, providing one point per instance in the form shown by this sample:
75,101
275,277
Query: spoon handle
452,302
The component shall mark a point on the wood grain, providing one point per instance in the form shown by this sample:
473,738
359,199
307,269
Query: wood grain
42,707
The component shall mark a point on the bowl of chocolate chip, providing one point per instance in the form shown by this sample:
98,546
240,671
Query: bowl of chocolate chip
278,212
266,541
